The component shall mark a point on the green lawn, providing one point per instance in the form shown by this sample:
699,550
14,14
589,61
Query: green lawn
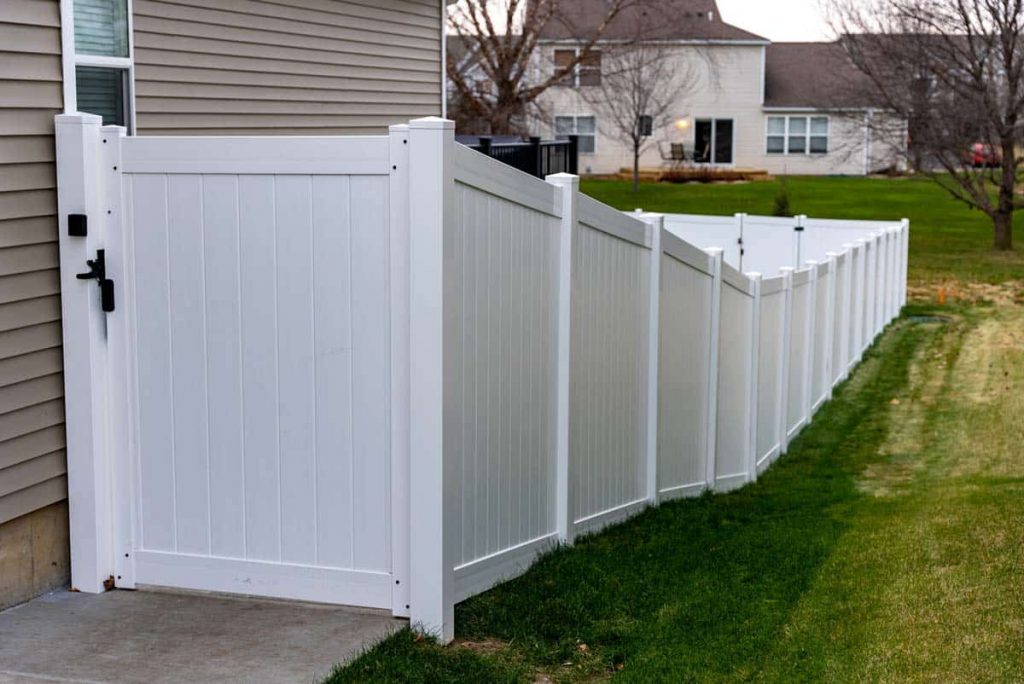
948,239
888,545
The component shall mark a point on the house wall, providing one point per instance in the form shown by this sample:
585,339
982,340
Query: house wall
728,85
32,462
846,145
300,67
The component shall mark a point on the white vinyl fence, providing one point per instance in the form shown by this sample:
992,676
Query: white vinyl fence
390,371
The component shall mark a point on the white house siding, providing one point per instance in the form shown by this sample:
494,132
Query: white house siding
846,148
285,67
729,86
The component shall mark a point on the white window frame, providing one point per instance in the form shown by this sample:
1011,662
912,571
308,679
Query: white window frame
576,127
576,69
807,135
70,61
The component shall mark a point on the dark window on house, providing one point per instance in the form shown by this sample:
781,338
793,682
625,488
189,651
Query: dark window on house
101,91
586,73
583,126
713,141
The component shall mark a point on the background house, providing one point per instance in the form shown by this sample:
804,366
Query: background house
187,67
754,104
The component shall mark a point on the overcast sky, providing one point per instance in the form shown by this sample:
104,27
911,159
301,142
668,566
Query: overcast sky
779,20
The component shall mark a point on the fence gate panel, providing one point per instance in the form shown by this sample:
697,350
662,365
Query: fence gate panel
256,295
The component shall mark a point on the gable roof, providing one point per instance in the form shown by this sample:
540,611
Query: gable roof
818,75
697,20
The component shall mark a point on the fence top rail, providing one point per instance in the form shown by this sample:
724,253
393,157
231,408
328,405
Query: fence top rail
771,286
768,222
328,155
736,279
823,267
700,219
801,277
603,218
493,177
851,224
685,253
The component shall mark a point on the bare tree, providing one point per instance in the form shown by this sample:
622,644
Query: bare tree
501,38
642,84
952,73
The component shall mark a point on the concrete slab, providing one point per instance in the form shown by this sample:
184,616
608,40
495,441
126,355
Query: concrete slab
148,636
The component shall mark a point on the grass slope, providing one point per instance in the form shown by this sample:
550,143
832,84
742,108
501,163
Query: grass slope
948,240
886,546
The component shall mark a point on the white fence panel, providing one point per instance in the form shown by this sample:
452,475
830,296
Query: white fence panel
706,232
821,385
256,307
841,314
610,289
800,352
737,386
500,403
685,417
772,373
769,243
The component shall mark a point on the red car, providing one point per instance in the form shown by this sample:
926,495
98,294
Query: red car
983,155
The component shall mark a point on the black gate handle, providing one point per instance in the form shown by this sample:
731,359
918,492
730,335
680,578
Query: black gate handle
98,270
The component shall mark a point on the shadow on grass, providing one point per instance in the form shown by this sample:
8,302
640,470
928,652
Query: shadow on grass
692,590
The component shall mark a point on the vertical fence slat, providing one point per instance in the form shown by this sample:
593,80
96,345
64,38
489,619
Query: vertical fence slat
713,332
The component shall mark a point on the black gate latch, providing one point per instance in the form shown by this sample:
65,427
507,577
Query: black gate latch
98,270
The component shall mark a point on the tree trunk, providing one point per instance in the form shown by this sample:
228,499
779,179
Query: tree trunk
1003,218
1004,229
636,168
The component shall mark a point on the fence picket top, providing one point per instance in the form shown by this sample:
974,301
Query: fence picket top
493,177
684,252
737,280
770,286
602,218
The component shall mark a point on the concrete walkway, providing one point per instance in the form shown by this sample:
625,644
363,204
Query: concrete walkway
148,636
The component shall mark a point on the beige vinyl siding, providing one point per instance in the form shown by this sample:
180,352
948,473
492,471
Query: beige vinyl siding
285,67
32,462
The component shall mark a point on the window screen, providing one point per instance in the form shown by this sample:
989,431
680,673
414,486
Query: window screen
101,91
101,27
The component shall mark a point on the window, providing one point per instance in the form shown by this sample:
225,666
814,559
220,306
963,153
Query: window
713,141
797,135
583,126
100,70
587,71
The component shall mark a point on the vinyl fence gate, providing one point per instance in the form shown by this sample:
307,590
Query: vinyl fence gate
240,380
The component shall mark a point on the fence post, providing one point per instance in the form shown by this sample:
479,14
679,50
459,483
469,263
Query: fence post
905,260
574,154
431,196
895,252
830,318
399,267
117,351
798,229
738,220
861,294
655,224
569,186
535,156
809,351
847,311
787,343
485,144
755,370
79,191
712,389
